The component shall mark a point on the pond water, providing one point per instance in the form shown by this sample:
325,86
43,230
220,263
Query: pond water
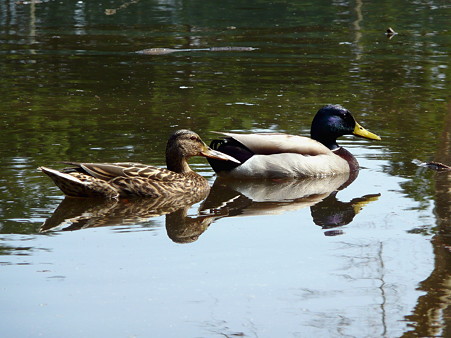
255,259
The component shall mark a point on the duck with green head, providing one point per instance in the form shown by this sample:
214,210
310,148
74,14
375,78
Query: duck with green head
272,155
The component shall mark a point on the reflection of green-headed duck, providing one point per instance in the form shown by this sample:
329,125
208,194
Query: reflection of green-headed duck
331,213
112,180
271,155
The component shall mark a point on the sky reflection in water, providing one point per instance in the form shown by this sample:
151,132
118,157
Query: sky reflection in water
236,264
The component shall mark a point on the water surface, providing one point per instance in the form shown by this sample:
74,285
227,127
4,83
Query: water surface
257,260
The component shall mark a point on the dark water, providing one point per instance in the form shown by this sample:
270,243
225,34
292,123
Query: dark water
372,260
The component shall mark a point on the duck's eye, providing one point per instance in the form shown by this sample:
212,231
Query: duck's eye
194,138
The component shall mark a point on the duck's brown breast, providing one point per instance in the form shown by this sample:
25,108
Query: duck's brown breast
348,157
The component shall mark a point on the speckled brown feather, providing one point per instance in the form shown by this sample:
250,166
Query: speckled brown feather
114,180
162,183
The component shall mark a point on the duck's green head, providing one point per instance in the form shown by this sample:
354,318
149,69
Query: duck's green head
333,121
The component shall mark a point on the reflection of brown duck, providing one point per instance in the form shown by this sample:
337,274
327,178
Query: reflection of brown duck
184,229
76,213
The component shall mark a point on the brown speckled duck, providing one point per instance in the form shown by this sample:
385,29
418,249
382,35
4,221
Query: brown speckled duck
114,180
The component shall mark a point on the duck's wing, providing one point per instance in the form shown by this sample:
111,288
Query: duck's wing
276,143
109,171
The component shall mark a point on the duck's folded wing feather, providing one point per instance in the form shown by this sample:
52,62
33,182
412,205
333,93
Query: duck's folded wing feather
275,143
109,171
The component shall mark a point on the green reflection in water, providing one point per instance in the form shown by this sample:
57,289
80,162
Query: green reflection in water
72,89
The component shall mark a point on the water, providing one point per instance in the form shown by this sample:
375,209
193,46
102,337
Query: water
371,260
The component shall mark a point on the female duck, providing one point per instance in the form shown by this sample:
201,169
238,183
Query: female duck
113,180
269,155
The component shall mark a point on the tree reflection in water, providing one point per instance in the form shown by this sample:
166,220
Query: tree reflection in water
432,314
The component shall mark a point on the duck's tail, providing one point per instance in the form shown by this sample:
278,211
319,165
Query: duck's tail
80,185
232,148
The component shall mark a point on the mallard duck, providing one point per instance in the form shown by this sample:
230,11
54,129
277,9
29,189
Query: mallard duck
271,155
114,180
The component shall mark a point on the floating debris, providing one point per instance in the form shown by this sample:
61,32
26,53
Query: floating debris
432,165
163,51
31,2
390,32
112,11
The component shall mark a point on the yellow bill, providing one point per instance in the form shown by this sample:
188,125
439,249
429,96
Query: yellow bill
360,131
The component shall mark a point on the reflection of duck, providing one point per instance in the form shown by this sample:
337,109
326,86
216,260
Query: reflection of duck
80,213
281,155
184,229
227,198
112,180
269,197
75,214
332,213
